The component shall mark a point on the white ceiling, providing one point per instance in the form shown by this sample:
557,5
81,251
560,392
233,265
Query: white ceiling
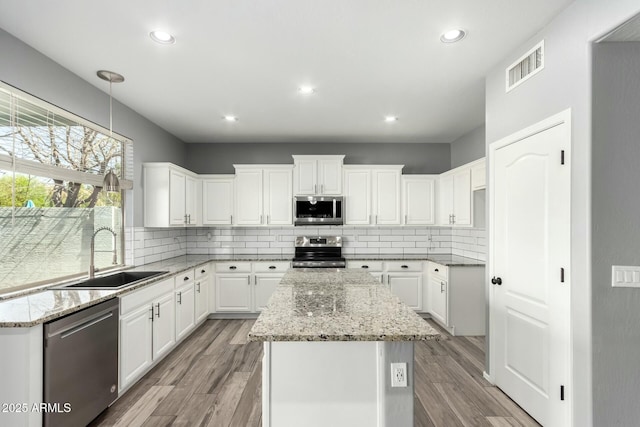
367,59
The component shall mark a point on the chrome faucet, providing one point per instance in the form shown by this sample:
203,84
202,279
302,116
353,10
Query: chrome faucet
92,267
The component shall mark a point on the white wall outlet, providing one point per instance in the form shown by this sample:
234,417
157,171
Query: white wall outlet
625,276
398,375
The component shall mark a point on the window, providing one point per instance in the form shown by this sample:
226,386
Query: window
51,201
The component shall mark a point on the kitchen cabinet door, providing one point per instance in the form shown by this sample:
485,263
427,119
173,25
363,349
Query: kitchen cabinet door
357,192
164,336
177,198
217,200
248,200
264,286
439,300
445,200
192,200
408,287
278,197
305,176
233,292
479,175
386,193
201,288
330,175
418,199
462,198
185,310
135,344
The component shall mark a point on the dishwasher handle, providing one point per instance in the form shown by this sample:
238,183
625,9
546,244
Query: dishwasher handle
85,325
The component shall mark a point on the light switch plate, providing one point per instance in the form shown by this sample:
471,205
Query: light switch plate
624,276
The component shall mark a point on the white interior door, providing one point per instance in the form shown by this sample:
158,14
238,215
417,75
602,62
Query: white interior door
530,254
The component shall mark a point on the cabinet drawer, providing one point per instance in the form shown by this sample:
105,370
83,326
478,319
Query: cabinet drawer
438,270
366,265
185,277
404,265
202,270
233,267
132,301
271,267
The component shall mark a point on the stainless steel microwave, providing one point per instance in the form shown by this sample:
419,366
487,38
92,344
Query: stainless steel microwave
318,210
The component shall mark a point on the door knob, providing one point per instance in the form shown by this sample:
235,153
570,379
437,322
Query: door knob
496,280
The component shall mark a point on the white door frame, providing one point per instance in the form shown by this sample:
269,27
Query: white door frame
563,117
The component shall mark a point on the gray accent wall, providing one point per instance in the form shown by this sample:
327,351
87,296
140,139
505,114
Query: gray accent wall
220,158
28,70
469,147
566,83
616,231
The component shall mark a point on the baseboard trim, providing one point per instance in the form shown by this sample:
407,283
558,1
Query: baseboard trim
488,377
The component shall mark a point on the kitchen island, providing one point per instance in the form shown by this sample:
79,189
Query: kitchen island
330,337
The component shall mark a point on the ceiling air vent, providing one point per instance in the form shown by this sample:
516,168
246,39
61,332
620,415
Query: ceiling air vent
525,67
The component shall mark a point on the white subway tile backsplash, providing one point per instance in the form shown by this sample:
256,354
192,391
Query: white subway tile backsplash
151,245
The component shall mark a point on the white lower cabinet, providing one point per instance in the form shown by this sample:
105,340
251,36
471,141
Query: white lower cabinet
438,293
405,279
408,287
201,290
147,329
246,287
185,310
265,285
457,298
233,292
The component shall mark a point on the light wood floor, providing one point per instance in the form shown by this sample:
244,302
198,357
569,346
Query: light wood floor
214,378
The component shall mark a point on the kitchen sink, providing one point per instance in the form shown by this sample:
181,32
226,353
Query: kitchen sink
114,281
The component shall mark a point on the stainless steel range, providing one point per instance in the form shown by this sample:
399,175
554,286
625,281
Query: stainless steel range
318,252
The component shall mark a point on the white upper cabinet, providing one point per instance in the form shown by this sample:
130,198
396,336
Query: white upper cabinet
372,194
418,199
217,199
479,175
263,195
317,175
455,197
171,196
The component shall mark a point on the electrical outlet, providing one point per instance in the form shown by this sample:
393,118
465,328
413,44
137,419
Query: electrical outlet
398,375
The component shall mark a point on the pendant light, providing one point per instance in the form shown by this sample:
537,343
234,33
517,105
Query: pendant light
110,182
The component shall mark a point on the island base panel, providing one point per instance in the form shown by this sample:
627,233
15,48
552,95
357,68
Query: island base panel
337,383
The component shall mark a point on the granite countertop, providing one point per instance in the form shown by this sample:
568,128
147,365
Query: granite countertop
337,305
35,306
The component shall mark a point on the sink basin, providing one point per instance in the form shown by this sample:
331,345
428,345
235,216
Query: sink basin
114,281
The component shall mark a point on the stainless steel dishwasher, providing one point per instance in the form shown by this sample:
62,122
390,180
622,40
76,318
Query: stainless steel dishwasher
81,365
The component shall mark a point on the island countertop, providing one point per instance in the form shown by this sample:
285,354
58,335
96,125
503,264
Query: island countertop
337,305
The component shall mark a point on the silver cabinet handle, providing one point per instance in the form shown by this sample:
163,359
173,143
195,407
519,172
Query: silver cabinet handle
198,285
180,298
185,218
376,219
248,280
255,280
230,219
321,188
370,219
261,220
441,287
151,310
158,306
453,217
315,188
405,219
189,218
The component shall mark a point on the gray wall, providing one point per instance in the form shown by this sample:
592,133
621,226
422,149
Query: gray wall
468,147
616,231
417,158
30,71
566,83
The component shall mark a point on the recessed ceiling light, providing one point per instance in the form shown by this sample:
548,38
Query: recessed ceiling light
162,37
306,90
452,36
390,119
230,118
